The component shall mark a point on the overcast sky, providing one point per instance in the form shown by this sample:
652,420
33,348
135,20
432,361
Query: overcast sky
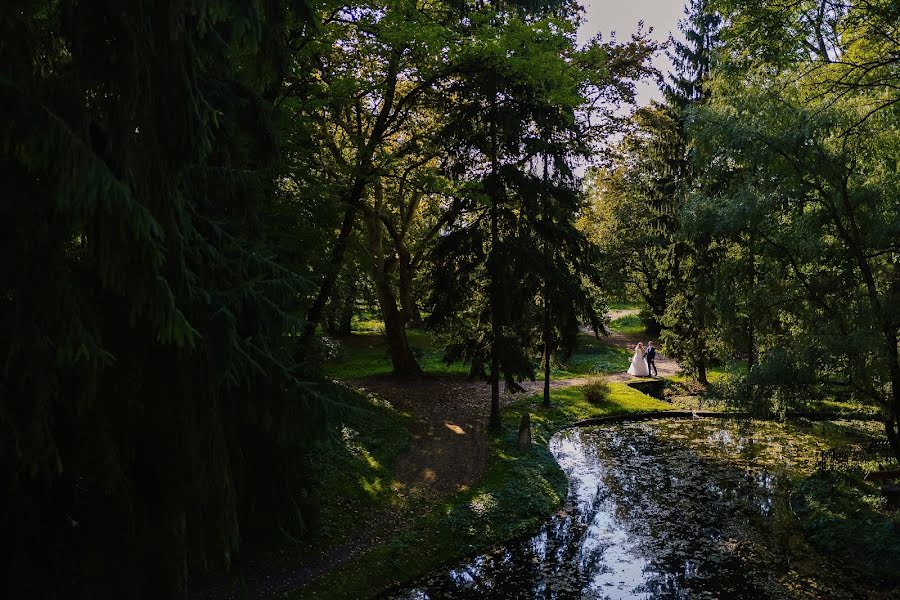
622,17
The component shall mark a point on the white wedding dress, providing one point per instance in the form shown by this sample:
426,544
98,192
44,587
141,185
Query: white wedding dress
638,366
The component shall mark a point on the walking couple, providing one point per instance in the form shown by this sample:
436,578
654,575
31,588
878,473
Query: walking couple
643,360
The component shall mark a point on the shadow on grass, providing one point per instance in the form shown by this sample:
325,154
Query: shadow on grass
520,489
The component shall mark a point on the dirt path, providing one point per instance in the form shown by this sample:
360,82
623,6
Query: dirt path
448,450
447,454
667,366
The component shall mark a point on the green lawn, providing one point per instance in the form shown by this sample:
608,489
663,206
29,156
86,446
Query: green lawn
629,325
592,357
365,354
518,492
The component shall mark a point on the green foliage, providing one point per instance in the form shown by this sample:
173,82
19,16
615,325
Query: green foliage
512,270
597,391
633,213
799,197
154,419
844,516
518,491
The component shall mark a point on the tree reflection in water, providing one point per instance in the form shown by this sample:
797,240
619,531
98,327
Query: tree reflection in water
662,509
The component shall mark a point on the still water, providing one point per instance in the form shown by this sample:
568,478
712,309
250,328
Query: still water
662,509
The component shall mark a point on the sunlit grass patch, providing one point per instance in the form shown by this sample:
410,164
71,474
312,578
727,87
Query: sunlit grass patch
569,405
592,356
629,324
517,493
365,354
713,374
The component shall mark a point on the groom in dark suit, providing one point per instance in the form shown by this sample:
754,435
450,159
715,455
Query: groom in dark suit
650,355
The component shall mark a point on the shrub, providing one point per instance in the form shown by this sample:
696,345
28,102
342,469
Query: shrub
597,390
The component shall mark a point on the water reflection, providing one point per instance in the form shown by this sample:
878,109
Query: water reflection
655,512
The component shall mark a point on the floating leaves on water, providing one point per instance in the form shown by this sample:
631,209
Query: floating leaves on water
667,508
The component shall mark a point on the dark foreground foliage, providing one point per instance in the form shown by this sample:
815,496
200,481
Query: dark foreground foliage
844,516
153,418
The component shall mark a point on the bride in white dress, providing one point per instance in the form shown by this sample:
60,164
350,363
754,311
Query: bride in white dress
638,366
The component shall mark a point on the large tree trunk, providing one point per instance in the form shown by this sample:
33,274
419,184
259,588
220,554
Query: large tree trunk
410,312
701,372
402,358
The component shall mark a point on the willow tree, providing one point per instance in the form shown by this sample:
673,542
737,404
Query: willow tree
153,421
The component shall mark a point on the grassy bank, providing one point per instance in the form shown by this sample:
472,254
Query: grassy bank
592,356
519,490
356,467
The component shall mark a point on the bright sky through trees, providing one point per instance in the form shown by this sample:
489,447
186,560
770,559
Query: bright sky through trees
605,16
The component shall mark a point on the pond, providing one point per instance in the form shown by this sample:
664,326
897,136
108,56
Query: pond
663,509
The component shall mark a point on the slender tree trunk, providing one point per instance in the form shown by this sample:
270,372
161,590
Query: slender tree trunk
333,268
546,333
546,359
494,422
402,358
326,287
751,338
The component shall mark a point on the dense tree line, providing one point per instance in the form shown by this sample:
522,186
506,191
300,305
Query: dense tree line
193,188
769,182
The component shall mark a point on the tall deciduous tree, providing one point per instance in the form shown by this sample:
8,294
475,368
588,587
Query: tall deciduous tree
376,65
809,136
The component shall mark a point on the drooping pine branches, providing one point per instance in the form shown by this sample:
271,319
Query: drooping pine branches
153,416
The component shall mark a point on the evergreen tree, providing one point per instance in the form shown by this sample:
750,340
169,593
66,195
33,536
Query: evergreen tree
513,265
153,419
691,260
